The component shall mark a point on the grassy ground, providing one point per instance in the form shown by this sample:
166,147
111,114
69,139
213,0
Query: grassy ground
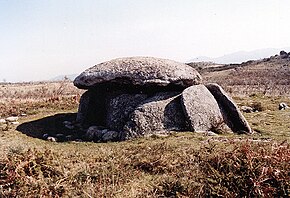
179,165
269,122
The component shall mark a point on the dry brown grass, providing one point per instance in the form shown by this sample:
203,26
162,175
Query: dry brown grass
270,77
30,98
187,165
180,165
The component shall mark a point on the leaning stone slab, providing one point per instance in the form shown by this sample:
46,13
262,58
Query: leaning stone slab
231,113
139,71
202,110
160,113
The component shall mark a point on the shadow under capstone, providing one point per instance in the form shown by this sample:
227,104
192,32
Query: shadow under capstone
51,125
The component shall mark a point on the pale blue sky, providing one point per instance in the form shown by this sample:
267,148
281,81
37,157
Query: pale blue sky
40,39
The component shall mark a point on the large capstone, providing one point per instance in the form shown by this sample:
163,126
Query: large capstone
139,71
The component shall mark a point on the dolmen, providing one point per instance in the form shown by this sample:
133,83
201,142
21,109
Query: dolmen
138,96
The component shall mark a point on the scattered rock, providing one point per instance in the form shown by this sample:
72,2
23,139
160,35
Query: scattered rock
283,54
45,136
95,133
110,136
51,139
60,137
68,126
246,109
12,119
210,133
23,114
90,134
69,137
2,121
283,106
4,127
15,123
67,122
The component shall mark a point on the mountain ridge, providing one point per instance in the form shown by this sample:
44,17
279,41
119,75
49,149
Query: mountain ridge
240,56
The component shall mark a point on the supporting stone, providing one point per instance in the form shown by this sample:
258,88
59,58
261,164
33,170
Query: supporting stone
162,112
202,110
231,113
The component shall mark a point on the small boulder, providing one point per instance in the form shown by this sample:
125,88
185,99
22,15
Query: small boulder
110,136
95,133
283,106
12,119
67,122
51,139
60,137
2,121
283,54
69,137
210,133
45,136
78,140
69,126
15,123
246,109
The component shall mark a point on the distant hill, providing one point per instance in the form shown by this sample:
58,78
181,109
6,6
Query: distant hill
269,75
241,56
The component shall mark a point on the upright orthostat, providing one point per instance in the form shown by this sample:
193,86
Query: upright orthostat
137,96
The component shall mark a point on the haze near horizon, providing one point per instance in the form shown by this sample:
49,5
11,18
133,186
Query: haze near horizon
43,39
